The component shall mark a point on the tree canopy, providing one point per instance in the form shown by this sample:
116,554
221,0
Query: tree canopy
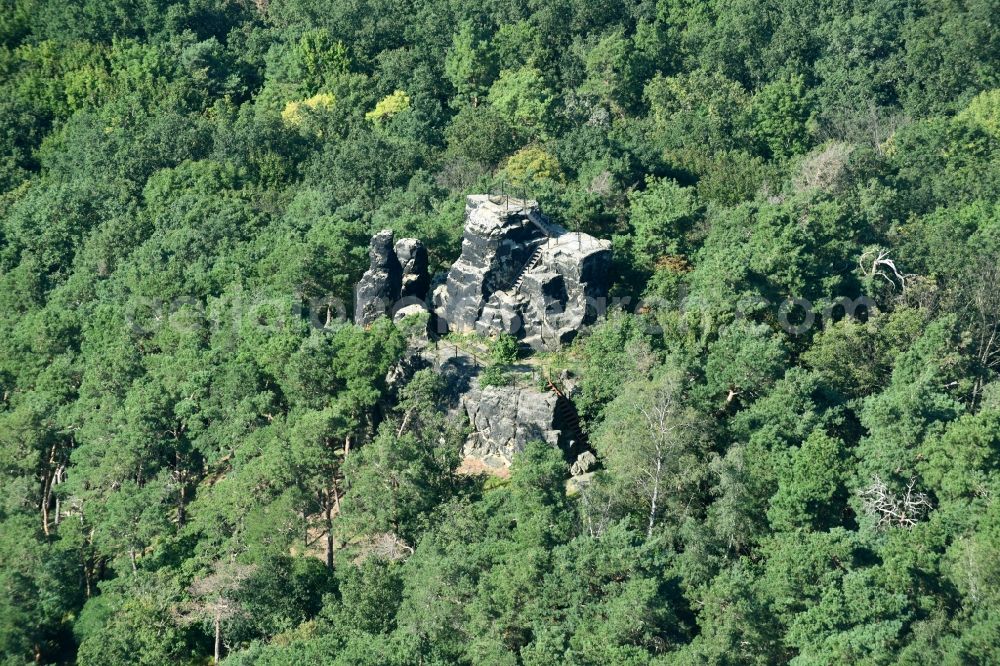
795,409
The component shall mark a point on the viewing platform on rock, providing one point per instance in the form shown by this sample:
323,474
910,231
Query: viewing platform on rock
522,274
518,273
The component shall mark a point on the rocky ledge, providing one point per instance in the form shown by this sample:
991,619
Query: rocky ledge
518,273
505,419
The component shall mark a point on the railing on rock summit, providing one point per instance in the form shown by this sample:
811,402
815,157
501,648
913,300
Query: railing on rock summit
506,193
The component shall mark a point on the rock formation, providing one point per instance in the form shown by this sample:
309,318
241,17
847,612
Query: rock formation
505,419
412,257
522,274
396,278
517,273
584,463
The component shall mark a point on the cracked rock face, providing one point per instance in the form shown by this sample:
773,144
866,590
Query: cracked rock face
379,286
521,274
505,419
562,293
396,271
412,257
498,240
584,463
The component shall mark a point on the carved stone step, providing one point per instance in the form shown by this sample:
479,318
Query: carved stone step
531,263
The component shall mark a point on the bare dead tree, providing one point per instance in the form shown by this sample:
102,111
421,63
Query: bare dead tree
601,184
892,510
213,598
875,262
823,170
383,546
597,513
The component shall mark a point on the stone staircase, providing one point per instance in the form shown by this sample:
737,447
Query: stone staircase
531,263
535,218
567,414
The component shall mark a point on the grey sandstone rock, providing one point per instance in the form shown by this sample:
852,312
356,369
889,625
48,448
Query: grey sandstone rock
409,311
396,278
379,286
521,274
498,240
412,257
584,463
402,372
578,484
502,419
418,333
505,419
565,291
517,273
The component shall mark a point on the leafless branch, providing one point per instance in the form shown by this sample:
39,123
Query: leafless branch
875,261
892,510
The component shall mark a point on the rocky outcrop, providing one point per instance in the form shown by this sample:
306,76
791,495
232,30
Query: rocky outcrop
400,374
561,295
498,240
379,286
584,463
502,419
396,278
412,257
519,273
505,418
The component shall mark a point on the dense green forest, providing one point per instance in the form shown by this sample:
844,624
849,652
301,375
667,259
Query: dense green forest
197,454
